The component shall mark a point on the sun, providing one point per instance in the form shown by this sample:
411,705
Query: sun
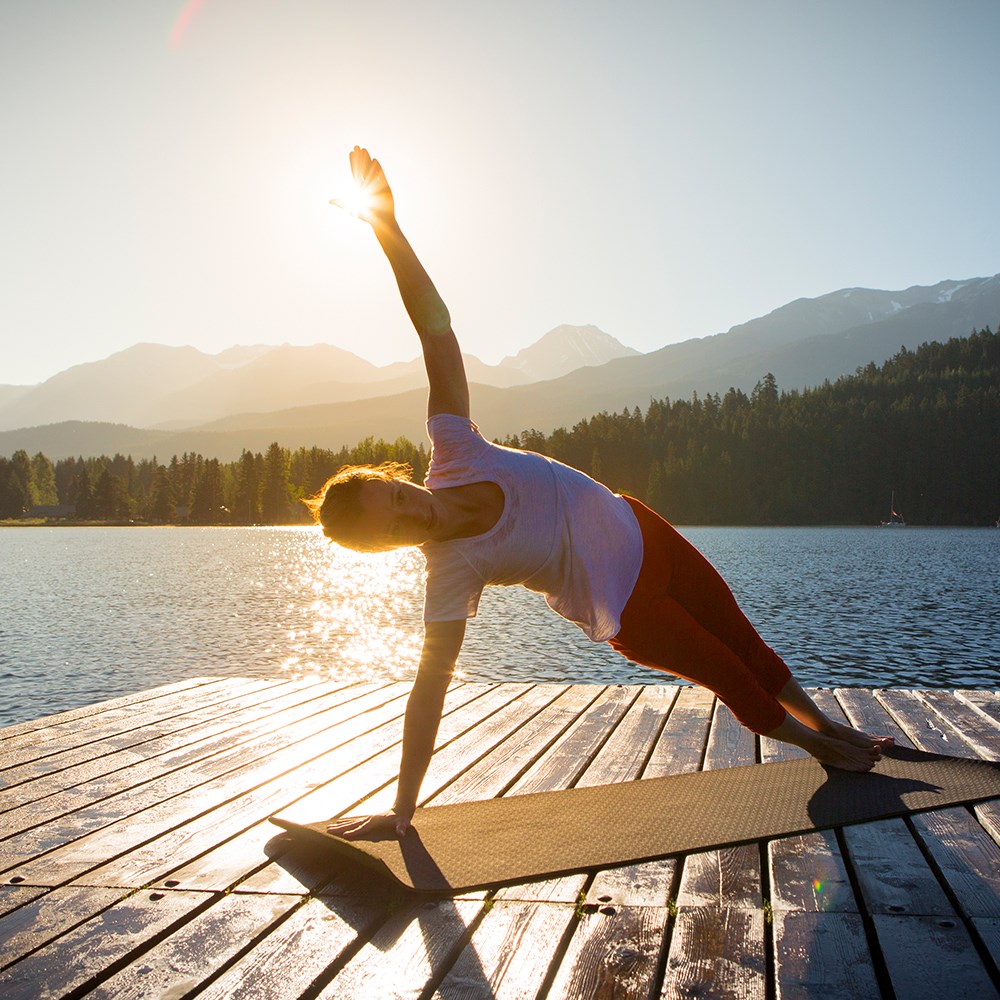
356,200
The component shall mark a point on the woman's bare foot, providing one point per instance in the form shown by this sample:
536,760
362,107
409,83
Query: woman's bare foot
796,701
847,756
860,755
855,737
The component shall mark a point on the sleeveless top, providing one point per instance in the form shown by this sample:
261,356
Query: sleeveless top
560,533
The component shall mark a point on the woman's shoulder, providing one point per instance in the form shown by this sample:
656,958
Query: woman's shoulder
450,425
457,448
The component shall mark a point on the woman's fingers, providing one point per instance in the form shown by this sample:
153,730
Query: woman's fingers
383,827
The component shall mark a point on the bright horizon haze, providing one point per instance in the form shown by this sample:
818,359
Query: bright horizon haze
661,170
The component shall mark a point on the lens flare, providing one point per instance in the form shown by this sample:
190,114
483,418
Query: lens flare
184,18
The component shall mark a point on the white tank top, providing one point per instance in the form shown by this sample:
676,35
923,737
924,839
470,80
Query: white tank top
560,533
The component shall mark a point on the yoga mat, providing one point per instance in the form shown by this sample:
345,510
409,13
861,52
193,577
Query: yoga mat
471,845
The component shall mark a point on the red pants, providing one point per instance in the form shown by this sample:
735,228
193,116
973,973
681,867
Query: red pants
683,618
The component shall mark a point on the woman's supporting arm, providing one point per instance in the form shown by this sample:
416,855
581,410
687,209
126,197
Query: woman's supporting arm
442,643
449,388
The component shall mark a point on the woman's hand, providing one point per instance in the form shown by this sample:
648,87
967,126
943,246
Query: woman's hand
372,199
389,825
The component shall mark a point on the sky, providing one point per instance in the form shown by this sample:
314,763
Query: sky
663,170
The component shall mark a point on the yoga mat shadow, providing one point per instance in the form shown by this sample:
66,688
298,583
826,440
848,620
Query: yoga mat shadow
473,845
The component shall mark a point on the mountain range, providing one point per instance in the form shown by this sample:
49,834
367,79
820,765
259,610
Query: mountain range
151,399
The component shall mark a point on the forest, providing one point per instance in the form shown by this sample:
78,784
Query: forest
923,427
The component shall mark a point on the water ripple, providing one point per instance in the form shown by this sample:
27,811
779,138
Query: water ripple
93,613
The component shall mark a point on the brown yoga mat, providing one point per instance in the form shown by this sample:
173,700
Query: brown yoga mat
470,845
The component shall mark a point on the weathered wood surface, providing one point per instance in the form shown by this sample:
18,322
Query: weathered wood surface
136,859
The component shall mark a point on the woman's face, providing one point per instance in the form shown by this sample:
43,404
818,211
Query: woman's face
397,513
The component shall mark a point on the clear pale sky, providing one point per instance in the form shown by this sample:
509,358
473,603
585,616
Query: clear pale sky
663,170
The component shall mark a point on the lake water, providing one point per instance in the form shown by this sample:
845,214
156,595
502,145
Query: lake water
92,613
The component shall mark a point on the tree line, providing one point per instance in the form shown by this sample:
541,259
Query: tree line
258,488
924,426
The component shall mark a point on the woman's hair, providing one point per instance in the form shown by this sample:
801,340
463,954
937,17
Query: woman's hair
337,506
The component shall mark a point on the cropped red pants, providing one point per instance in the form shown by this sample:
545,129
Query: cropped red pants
682,618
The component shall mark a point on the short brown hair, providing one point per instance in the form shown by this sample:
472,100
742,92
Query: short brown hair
337,506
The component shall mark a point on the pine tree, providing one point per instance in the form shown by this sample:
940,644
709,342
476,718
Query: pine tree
161,503
275,497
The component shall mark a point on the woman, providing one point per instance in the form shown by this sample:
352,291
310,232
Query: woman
491,515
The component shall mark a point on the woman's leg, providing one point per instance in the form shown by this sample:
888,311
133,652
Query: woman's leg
684,618
664,635
798,703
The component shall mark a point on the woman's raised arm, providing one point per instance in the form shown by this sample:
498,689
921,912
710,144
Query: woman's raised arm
449,388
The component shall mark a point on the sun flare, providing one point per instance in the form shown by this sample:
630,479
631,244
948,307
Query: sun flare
356,200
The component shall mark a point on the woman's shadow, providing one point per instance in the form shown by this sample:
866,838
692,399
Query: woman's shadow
906,780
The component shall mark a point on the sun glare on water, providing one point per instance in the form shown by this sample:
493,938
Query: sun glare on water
364,621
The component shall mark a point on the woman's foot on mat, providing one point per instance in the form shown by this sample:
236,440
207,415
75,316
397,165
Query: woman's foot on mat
847,756
827,748
856,737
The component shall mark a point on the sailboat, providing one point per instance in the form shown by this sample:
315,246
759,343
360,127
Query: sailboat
895,519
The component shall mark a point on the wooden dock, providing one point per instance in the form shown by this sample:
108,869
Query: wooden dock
137,860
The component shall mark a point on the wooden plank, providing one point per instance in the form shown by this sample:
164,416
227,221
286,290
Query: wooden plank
923,725
148,846
412,949
988,930
720,911
121,769
456,756
231,864
977,729
87,711
918,932
817,933
682,745
614,953
807,872
73,959
198,949
64,843
623,756
968,858
566,760
543,911
987,702
297,952
127,744
868,714
892,872
198,788
602,947
679,749
618,940
510,951
33,925
120,721
731,876
719,955
419,940
822,954
13,896
418,946
932,957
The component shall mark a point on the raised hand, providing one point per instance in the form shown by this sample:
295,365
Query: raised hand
371,199
385,826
